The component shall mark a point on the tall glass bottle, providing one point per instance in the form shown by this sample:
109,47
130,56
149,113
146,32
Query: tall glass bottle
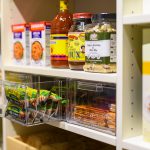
59,36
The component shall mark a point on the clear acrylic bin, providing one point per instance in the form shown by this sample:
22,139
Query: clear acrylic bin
33,103
93,105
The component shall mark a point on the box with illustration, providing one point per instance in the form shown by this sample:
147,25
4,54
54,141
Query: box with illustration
40,43
20,44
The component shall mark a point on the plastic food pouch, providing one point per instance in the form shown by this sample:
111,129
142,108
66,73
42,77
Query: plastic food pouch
55,97
32,96
16,112
49,107
42,100
15,95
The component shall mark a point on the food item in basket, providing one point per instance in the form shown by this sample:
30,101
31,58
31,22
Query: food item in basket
100,45
49,107
55,97
31,96
90,115
42,100
15,111
15,95
20,47
40,43
112,108
111,120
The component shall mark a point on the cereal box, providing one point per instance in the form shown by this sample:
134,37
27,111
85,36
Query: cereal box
20,47
40,43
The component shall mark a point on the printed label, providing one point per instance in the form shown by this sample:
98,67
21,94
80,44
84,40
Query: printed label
36,34
96,50
76,46
17,35
59,47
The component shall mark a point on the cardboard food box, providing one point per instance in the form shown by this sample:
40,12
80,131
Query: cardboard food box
20,44
14,143
40,43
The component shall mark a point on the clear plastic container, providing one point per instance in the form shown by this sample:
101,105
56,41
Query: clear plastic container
93,105
100,44
33,103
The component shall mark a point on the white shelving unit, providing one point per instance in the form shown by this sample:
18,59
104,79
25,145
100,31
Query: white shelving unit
132,17
66,73
136,19
136,143
97,135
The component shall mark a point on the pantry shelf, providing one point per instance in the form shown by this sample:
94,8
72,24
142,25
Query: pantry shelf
66,73
97,135
136,19
136,143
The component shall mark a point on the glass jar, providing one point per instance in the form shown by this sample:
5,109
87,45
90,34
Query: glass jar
100,44
76,40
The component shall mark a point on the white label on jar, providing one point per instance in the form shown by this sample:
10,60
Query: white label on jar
97,49
113,48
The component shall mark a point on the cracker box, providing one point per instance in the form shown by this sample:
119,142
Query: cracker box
40,43
20,44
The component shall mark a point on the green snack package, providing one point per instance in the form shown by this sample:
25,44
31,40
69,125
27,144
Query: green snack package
55,97
31,95
15,95
16,112
49,107
42,100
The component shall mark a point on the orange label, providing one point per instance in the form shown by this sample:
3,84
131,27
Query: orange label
18,28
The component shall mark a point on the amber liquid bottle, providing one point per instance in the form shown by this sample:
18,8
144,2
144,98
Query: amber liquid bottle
59,36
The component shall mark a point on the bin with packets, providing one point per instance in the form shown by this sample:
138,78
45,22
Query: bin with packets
93,105
33,103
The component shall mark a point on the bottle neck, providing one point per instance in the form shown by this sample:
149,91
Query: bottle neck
63,5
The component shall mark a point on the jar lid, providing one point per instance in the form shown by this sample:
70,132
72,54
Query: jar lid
102,16
82,15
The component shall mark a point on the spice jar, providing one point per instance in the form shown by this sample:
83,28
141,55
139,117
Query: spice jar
76,40
100,44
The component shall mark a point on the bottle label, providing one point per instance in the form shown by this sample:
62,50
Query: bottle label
76,46
97,48
63,5
59,47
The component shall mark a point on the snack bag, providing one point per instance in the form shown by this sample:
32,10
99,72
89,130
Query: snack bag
40,43
15,112
15,95
20,44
